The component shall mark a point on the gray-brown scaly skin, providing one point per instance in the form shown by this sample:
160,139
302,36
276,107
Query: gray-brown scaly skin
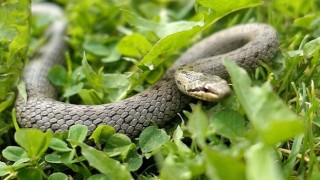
158,104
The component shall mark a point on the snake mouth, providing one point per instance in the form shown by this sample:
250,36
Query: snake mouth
197,89
205,94
211,92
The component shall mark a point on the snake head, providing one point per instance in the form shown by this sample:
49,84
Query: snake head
202,86
212,90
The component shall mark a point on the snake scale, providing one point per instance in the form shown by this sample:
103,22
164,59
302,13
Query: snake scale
246,44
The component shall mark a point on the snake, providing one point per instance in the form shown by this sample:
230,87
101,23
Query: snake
201,66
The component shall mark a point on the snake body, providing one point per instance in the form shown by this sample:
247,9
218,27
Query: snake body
245,44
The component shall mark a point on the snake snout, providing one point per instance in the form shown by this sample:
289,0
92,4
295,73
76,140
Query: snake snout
215,91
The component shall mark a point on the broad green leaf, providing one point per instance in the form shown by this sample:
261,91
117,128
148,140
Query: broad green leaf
61,157
99,160
10,98
22,91
96,48
229,123
78,133
128,45
196,164
168,45
14,40
9,169
53,158
155,75
20,42
117,94
177,136
133,160
161,29
58,176
57,158
57,75
173,40
98,177
305,21
72,90
59,145
90,96
14,153
77,74
152,138
118,144
198,125
222,166
290,8
174,170
41,22
34,141
223,7
183,166
102,133
115,80
315,175
20,161
3,170
311,47
117,85
93,78
113,56
121,151
265,110
29,173
5,127
261,163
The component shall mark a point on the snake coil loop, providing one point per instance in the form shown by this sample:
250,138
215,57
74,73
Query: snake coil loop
245,44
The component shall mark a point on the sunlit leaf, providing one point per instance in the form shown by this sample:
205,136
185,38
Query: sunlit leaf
57,75
198,124
34,141
152,138
14,153
259,105
78,133
58,176
229,123
29,173
99,160
261,163
128,45
224,166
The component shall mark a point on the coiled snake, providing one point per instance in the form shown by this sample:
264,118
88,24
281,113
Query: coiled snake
245,44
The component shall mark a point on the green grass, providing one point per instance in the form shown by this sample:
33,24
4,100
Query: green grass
268,129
